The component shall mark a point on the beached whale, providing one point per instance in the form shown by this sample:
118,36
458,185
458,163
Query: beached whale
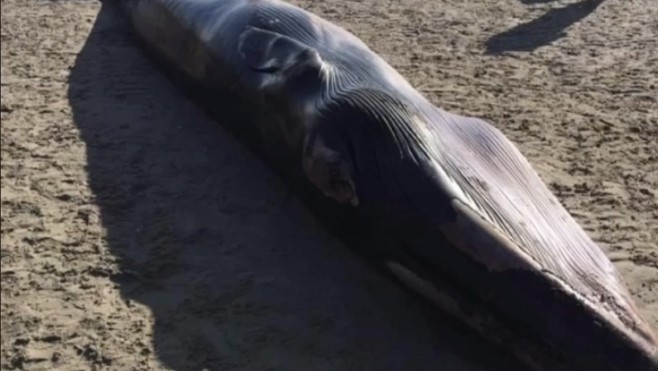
456,211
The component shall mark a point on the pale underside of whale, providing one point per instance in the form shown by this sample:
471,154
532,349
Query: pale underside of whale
506,218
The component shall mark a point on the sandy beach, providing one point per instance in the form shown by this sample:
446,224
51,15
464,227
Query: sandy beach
138,235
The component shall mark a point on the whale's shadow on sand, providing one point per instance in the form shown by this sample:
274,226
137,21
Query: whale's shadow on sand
550,27
236,273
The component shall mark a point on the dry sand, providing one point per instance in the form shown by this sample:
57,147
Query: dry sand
137,235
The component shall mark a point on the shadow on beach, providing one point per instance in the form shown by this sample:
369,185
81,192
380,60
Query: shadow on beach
542,31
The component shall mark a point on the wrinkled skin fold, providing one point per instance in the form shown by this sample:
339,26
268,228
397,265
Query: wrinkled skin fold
456,211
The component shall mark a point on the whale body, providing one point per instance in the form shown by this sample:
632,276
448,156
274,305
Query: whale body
452,208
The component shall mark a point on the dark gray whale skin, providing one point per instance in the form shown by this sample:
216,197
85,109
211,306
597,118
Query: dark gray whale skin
443,202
